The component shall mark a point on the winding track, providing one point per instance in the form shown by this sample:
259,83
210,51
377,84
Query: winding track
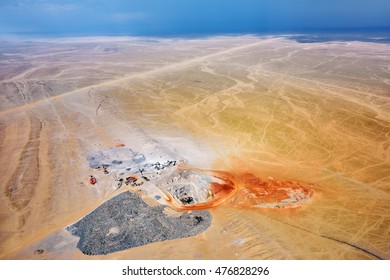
174,66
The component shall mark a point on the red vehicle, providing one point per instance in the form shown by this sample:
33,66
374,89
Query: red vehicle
92,180
131,179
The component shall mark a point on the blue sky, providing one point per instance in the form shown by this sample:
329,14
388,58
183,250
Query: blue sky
159,17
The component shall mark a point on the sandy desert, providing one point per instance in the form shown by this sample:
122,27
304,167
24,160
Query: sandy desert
285,145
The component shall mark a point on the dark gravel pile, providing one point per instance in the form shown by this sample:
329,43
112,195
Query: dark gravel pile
126,221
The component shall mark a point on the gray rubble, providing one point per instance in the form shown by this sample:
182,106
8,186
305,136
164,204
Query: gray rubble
121,157
139,158
126,221
186,187
189,186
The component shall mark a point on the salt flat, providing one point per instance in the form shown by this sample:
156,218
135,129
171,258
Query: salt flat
314,113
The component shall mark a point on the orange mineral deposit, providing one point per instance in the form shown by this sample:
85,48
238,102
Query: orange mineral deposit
249,191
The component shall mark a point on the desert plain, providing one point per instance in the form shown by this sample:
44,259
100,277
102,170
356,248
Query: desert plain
264,113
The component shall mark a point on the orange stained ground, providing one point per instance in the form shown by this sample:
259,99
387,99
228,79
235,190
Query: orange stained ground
246,190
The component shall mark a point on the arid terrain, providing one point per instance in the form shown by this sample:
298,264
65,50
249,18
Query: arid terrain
293,140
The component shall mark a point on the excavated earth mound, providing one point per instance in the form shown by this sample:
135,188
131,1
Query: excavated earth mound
126,221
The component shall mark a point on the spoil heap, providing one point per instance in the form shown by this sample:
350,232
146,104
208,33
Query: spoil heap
126,221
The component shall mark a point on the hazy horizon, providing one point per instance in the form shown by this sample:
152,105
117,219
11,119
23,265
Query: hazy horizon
186,18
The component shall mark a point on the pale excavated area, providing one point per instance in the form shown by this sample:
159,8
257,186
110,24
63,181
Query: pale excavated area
316,113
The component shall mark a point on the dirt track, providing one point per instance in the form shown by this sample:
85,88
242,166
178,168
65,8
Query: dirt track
313,113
